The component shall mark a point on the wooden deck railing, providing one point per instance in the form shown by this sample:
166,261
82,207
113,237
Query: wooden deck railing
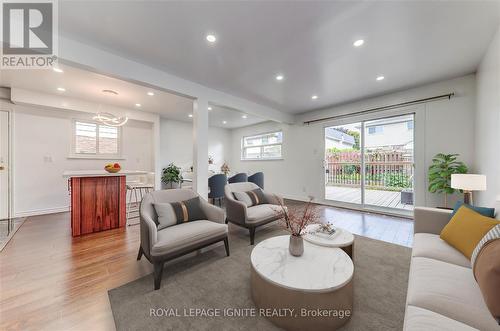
391,171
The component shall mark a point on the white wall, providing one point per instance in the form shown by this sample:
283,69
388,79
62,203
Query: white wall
487,143
219,147
41,146
445,126
176,144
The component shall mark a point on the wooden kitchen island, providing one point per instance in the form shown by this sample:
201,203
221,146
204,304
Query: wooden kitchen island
98,200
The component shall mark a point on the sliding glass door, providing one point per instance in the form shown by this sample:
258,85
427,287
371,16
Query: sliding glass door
371,164
343,163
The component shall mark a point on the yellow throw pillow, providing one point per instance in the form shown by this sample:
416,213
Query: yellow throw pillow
465,229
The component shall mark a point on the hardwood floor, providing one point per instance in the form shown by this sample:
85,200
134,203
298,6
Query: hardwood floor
51,281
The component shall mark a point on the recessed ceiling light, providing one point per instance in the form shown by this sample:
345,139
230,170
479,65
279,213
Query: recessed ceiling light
209,108
380,78
59,70
358,43
211,38
314,97
224,122
279,77
190,115
150,94
138,105
244,116
62,89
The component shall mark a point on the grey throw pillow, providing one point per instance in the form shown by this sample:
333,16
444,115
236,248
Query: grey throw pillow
179,212
166,215
188,210
251,198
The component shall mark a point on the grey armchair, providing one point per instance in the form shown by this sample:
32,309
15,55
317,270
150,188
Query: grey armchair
159,246
250,217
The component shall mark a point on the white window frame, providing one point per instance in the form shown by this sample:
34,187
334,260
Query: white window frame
243,158
97,155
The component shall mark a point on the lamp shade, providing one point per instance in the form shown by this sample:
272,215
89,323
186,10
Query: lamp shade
468,182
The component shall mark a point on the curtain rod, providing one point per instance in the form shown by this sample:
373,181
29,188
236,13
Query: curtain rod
377,109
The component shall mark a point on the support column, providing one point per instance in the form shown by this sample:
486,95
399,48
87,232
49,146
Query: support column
200,147
157,161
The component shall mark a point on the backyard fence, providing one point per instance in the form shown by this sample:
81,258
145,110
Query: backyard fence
384,170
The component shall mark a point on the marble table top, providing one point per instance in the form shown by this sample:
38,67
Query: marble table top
319,269
341,238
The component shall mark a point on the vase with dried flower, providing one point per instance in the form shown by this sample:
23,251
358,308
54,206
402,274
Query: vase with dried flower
225,169
296,220
210,159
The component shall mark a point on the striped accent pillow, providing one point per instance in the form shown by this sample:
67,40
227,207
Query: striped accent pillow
251,198
493,234
188,210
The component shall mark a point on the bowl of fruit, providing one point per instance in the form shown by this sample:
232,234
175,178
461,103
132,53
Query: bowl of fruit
112,167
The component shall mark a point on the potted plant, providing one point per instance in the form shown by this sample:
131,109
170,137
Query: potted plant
171,176
296,221
440,171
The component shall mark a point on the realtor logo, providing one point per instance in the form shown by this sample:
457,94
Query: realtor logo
28,34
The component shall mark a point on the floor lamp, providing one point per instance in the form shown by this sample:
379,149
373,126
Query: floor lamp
468,183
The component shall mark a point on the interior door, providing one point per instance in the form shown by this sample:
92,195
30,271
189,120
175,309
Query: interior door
4,166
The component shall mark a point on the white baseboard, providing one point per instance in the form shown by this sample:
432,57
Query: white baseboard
36,212
295,197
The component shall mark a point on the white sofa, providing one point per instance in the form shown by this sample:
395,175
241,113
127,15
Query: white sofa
442,293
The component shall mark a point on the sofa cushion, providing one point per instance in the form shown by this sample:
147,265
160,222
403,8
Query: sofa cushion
488,212
188,210
449,290
487,273
431,246
465,229
419,319
251,198
265,212
181,236
166,215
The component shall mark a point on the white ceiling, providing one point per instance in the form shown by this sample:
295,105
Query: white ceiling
310,42
88,86
227,118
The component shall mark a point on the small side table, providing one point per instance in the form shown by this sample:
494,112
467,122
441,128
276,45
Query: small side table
342,239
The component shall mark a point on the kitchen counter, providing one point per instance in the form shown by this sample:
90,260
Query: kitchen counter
102,173
98,199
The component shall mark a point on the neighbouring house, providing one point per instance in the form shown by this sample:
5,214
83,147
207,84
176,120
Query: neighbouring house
390,133
337,139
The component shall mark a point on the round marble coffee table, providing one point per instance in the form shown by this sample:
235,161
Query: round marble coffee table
341,239
310,292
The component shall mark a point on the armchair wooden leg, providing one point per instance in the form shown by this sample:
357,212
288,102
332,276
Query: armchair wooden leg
226,244
141,252
226,221
252,234
158,271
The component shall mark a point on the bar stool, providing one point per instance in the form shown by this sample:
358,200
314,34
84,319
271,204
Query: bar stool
137,188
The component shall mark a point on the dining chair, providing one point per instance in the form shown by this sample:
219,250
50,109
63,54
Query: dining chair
257,178
238,178
216,185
